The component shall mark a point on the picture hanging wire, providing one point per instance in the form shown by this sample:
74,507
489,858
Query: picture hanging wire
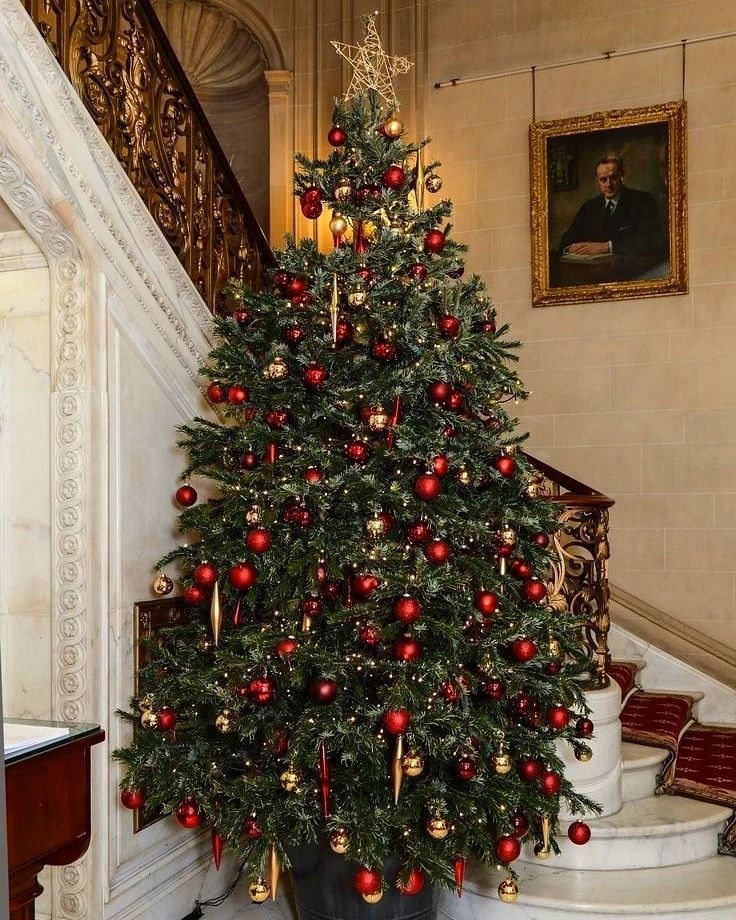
534,94
684,43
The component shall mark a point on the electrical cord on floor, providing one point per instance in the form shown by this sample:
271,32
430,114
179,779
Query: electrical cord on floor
197,913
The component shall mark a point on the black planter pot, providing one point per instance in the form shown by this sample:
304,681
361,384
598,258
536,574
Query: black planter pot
323,890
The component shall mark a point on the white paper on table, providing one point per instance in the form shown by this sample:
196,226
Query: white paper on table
20,737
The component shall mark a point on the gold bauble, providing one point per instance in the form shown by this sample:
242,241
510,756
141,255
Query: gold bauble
372,898
339,840
397,225
502,763
162,585
433,182
145,702
149,719
583,754
338,224
290,779
508,890
508,535
259,890
342,191
555,649
361,332
393,127
374,527
370,231
278,369
378,419
357,298
225,722
464,477
253,515
412,764
438,827
541,851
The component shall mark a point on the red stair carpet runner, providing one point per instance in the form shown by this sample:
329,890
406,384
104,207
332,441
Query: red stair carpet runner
624,673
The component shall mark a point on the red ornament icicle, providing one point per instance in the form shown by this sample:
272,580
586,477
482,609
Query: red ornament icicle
237,617
217,844
359,243
394,421
272,452
325,777
458,868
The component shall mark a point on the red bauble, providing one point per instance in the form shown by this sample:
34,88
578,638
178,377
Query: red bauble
249,461
367,193
550,782
558,716
418,533
370,635
357,451
362,586
193,594
406,648
407,609
186,496
297,285
529,769
166,719
486,602
417,271
312,475
448,326
252,829
365,274
584,728
281,280
438,391
492,423
524,649
452,691
440,465
493,688
384,351
343,332
541,539
466,768
455,400
331,590
293,335
311,209
272,453
394,177
552,668
336,136
315,376
521,704
277,419
187,814
449,431
261,690
132,798
243,576
367,881
520,824
413,884
311,194
311,607
488,327
237,395
534,591
521,569
434,241
259,540
505,465
285,648
302,300
205,574
216,392
508,848
323,690
428,487
579,833
438,551
396,721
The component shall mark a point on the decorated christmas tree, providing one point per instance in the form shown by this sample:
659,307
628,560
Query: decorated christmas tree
370,661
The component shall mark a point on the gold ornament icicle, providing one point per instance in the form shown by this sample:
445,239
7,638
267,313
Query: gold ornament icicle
543,850
419,183
216,614
274,868
397,772
334,309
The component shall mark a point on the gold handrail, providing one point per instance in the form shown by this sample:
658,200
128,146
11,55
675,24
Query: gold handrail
579,576
118,58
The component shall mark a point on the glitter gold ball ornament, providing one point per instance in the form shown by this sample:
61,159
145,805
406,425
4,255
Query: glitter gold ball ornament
338,224
555,649
339,840
438,827
162,585
378,419
583,754
278,369
412,764
393,127
508,890
541,851
149,719
372,898
374,527
290,779
357,298
253,515
433,182
225,722
145,702
342,191
501,763
259,890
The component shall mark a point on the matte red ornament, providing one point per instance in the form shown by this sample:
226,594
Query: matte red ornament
417,271
534,591
186,496
277,419
331,590
579,833
323,690
252,829
217,843
552,668
367,881
438,391
243,576
311,607
132,798
550,782
362,586
357,451
396,721
406,648
508,848
285,648
434,241
205,574
370,635
216,392
187,814
315,376
384,351
521,569
261,690
466,768
194,595
449,431
541,539
294,335
448,326
458,870
166,719
312,475
488,327
455,400
336,137
492,423
272,452
524,649
440,465
413,884
418,533
407,609
249,461
520,824
428,487
394,177
438,551
493,688
486,602
558,716
584,728
297,285
505,465
259,540
237,395
529,769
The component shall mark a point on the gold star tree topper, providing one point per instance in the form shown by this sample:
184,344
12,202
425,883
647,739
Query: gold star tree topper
373,68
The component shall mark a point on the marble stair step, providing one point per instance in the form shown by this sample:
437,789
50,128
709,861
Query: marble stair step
658,831
700,891
642,766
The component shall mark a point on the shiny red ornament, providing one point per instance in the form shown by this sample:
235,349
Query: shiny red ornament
438,551
550,782
520,825
362,586
529,769
492,423
237,395
205,574
521,704
552,668
281,280
534,591
186,496
311,209
357,451
216,392
384,351
311,194
315,376
259,540
187,814
323,690
252,829
455,400
272,453
312,475
558,716
367,881
428,487
488,327
584,728
331,590
396,721
458,871
457,272
370,635
406,648
365,274
417,271
466,768
448,326
166,719
296,285
451,693
418,533
434,241
277,419
486,602
217,845
285,648
579,833
413,884
261,690
541,539
132,798
243,576
520,568
302,300
249,461
394,177
508,848
438,391
407,609
294,335
311,607
440,465
343,332
193,594
493,688
505,465
449,431
524,649
336,137
368,193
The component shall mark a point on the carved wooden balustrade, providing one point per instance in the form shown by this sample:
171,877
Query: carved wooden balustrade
119,60
579,576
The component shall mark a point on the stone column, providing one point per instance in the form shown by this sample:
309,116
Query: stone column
281,154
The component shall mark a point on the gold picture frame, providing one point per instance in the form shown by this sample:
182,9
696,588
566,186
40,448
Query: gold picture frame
645,156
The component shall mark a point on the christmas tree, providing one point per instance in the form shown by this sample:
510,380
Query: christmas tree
370,661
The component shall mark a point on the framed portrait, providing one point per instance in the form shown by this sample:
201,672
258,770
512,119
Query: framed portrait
609,205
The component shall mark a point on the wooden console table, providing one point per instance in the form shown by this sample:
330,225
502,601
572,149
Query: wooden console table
48,808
